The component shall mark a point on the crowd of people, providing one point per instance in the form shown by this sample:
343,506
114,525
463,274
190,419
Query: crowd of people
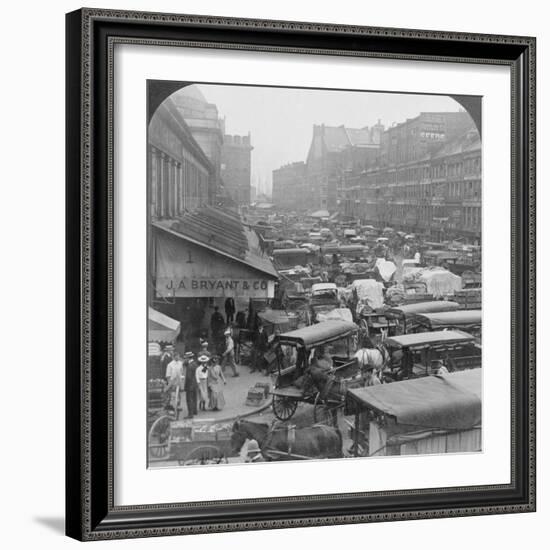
201,377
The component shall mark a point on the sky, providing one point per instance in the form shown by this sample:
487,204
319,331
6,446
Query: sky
280,120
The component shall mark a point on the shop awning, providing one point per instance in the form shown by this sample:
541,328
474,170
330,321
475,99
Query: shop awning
210,253
162,328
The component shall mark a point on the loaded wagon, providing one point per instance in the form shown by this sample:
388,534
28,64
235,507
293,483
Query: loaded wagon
190,442
424,416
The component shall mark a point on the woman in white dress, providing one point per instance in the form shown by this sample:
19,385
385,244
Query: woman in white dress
202,381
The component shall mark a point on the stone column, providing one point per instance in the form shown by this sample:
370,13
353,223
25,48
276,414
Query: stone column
153,181
179,179
162,184
172,187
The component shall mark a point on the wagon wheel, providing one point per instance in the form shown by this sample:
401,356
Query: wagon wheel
283,407
364,326
326,412
178,405
208,454
158,436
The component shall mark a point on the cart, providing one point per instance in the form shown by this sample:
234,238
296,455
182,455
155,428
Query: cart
199,442
294,350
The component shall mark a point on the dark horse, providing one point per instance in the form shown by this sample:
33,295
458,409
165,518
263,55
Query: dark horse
316,441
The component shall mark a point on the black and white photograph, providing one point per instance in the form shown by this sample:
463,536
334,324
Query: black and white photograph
314,274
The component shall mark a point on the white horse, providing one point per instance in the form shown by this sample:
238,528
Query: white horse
373,357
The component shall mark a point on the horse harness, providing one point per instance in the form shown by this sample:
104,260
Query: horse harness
290,438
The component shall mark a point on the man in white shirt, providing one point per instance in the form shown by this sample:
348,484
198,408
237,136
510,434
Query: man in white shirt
229,353
174,372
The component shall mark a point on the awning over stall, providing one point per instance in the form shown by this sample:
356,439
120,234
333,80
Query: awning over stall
162,328
209,253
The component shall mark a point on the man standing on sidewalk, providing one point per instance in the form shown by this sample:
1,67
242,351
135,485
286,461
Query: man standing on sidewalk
229,353
229,310
261,344
190,385
216,330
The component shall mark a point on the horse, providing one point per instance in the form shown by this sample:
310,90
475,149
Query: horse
377,358
317,441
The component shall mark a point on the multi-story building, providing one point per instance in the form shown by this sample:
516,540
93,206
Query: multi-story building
427,177
289,186
181,177
423,175
205,124
235,167
333,150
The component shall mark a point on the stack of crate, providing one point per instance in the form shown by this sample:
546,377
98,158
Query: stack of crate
469,298
258,394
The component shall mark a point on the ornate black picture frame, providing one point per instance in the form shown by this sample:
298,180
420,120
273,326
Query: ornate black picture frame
91,35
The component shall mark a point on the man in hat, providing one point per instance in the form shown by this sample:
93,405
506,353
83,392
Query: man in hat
166,357
229,307
217,323
438,367
229,353
370,376
254,453
260,348
190,385
204,349
174,371
174,380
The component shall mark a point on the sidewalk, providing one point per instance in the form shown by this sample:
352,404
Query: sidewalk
235,393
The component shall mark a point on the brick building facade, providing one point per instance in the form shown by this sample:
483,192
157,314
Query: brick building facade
423,175
426,179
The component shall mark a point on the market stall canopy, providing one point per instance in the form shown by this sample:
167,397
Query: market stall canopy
450,401
210,253
162,328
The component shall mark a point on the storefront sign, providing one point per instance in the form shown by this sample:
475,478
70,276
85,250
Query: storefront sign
187,287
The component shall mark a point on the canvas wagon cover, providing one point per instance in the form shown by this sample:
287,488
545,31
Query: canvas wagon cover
429,338
441,283
451,401
463,317
370,292
424,307
319,333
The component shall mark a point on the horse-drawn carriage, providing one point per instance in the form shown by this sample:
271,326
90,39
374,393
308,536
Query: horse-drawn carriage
405,315
466,320
425,353
300,380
